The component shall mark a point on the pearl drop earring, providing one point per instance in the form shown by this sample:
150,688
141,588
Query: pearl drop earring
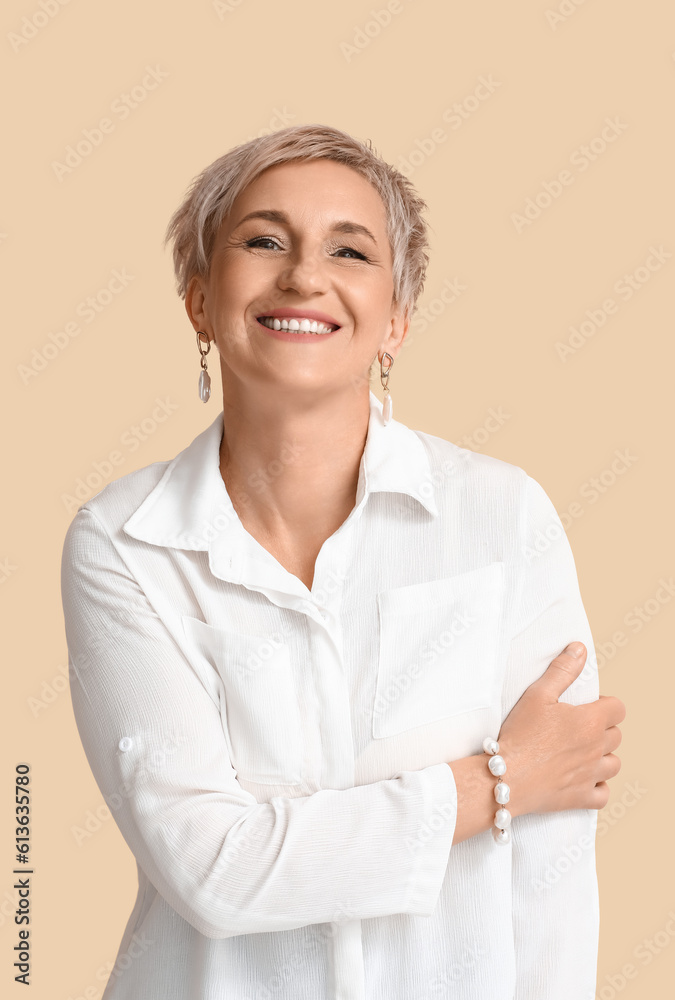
204,377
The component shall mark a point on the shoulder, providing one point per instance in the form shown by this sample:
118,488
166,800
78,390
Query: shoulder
118,500
161,497
100,518
492,486
451,463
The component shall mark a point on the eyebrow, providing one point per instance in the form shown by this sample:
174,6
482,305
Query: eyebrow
343,226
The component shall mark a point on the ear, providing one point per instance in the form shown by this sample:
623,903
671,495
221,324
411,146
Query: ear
398,330
196,306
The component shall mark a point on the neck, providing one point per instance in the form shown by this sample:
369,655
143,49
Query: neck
290,462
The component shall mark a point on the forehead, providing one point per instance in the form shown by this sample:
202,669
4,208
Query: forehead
313,189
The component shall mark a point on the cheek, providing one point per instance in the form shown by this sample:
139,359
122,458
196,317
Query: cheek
373,303
246,279
231,289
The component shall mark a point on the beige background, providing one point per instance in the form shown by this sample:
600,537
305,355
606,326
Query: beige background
557,73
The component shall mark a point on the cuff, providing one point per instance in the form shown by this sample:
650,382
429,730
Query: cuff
433,839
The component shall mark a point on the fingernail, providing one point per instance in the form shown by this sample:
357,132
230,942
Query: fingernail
574,649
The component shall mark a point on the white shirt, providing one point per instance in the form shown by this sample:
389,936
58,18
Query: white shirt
276,758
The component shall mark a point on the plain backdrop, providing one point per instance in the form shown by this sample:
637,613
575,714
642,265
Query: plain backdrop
540,135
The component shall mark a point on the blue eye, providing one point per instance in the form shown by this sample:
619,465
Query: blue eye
357,254
261,239
270,243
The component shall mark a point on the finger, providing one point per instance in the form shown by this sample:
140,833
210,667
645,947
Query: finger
599,796
613,737
610,765
614,709
561,672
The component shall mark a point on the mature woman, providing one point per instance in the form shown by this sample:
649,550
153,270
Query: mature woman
294,646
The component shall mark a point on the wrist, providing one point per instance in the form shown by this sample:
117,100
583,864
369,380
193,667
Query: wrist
519,799
497,766
475,800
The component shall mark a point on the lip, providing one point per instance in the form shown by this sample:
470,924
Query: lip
297,338
289,313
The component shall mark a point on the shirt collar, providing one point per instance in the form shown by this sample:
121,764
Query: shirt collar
190,507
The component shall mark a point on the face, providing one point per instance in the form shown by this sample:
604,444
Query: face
305,245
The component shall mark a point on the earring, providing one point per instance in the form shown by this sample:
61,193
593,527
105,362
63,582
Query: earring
388,406
204,377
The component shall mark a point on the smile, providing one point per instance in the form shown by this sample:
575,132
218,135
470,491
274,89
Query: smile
300,325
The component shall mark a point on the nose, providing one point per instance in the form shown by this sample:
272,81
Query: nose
303,273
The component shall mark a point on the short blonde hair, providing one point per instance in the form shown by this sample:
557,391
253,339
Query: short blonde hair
195,223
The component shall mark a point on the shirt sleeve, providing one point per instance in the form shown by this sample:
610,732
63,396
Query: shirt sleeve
555,891
151,729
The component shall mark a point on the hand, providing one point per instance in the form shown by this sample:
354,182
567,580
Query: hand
560,756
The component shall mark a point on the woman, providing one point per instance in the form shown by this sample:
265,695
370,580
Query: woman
289,643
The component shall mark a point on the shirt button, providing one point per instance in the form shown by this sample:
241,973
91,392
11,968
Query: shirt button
125,743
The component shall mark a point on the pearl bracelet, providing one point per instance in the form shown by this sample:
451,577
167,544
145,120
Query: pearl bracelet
497,765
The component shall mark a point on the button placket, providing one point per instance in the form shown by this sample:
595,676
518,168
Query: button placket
316,612
333,706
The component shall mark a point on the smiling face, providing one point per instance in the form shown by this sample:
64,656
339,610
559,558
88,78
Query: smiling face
300,290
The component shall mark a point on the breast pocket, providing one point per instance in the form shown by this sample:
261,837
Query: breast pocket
438,649
261,716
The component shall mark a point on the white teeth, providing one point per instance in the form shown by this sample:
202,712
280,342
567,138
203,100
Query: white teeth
296,326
